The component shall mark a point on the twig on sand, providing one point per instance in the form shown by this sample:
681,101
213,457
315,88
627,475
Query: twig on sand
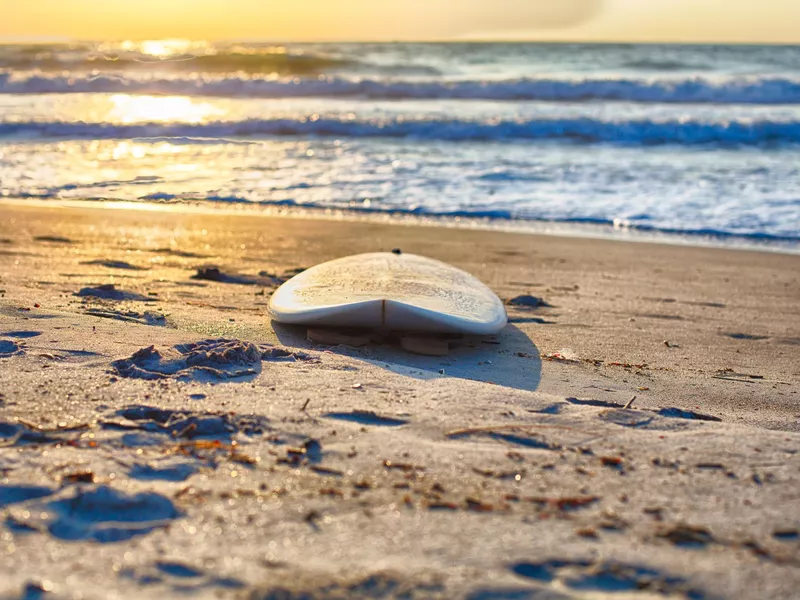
64,428
11,441
733,379
629,403
305,405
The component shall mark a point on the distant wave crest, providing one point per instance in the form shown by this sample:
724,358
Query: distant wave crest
663,64
777,90
261,63
580,130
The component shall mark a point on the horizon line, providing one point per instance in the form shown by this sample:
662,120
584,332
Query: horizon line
54,40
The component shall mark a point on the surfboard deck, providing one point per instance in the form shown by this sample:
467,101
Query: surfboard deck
383,290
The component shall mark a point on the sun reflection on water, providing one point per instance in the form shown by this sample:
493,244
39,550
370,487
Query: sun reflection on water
160,109
156,48
162,48
125,149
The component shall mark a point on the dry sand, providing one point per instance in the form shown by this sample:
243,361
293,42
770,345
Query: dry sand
266,467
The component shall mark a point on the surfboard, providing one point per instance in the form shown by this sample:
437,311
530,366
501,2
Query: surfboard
384,290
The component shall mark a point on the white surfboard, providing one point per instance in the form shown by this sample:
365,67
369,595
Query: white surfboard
383,290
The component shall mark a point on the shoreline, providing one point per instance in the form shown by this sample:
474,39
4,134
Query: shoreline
562,229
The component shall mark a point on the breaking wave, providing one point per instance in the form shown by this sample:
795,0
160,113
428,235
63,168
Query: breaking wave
579,130
775,90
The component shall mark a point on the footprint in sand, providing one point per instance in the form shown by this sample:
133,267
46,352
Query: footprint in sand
14,494
182,577
164,470
22,334
9,348
100,514
207,360
187,424
605,577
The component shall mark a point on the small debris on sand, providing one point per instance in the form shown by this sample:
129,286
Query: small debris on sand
687,535
366,417
146,318
276,354
681,413
114,264
56,239
566,356
78,477
214,273
527,301
564,503
109,291
289,273
178,253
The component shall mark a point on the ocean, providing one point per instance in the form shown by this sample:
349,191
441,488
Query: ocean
691,143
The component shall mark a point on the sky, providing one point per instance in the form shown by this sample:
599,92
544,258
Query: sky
739,21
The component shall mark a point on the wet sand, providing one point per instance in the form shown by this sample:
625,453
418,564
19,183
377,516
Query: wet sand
512,466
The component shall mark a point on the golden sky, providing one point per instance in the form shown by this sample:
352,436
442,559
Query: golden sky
773,21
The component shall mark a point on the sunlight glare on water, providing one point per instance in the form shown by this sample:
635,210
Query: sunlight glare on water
157,48
123,150
160,109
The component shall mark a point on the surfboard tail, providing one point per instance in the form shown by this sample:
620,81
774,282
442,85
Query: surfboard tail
391,315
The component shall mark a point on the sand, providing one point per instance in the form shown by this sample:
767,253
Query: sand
159,436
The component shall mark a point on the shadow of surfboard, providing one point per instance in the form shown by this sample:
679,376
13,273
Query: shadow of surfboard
509,359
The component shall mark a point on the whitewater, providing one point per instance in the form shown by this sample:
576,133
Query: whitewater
687,141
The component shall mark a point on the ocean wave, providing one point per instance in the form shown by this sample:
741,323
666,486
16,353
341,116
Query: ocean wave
79,63
666,64
776,90
579,130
